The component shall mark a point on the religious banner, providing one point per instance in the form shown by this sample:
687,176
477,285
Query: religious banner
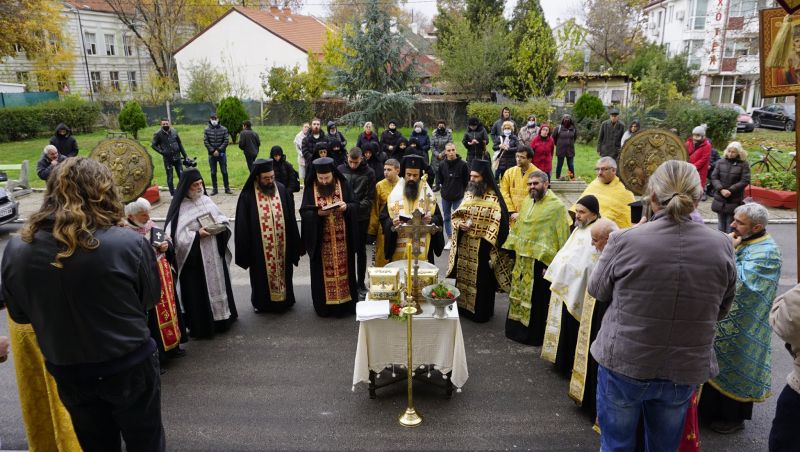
716,24
780,53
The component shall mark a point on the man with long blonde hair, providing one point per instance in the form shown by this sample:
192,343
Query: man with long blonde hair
91,314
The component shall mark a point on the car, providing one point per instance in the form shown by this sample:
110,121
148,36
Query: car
744,122
9,208
778,116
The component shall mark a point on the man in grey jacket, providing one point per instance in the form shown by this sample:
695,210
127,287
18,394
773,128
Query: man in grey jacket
666,282
609,141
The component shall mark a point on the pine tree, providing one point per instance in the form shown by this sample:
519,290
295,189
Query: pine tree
375,59
446,12
533,67
478,11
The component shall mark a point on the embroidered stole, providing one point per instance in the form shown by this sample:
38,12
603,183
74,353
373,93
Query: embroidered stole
334,250
273,241
166,309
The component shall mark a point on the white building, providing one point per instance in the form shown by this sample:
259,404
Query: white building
613,90
721,39
245,43
106,55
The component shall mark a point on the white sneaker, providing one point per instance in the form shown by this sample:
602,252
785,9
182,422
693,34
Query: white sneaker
448,244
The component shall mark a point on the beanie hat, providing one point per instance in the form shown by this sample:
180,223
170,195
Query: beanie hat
591,203
699,130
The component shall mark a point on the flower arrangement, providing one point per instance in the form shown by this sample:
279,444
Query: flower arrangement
442,291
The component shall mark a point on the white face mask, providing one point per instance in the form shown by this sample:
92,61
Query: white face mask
531,123
418,129
507,132
214,122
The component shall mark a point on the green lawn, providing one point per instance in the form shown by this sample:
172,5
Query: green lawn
192,138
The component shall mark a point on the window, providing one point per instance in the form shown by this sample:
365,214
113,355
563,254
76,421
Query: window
23,77
735,48
666,49
570,97
727,90
595,93
91,43
670,13
113,77
694,52
658,20
109,45
617,96
127,45
96,82
743,8
132,81
699,13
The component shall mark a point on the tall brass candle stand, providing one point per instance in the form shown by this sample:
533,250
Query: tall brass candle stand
410,418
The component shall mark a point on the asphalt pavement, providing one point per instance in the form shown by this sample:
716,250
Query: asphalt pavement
284,382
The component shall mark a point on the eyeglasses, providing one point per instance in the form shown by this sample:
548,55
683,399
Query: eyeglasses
601,170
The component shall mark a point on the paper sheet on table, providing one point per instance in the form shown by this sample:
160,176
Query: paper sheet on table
371,310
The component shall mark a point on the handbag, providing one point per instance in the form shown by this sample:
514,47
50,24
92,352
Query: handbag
496,160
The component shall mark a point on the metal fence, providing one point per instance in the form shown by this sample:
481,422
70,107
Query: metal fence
26,99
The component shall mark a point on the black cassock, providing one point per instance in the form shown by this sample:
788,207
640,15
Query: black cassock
312,234
390,237
250,253
194,292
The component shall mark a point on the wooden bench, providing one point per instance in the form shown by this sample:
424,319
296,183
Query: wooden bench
21,187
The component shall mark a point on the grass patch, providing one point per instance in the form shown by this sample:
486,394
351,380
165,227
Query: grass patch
192,138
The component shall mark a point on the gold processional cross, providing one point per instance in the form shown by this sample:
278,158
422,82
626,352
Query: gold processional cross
415,228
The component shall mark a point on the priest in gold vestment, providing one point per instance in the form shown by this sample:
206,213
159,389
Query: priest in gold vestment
611,193
480,227
391,174
411,193
267,239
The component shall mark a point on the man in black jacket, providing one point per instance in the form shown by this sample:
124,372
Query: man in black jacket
167,143
249,142
453,175
390,139
497,127
315,135
215,137
334,134
46,164
362,180
475,140
64,141
93,336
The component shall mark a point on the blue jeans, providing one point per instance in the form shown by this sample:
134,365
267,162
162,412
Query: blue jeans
448,207
620,402
223,167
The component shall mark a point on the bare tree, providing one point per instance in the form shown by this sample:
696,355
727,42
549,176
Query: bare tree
614,29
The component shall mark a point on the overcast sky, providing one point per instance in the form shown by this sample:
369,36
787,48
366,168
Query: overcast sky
553,9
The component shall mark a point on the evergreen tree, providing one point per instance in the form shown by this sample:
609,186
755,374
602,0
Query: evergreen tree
480,10
533,67
231,115
446,12
374,60
132,118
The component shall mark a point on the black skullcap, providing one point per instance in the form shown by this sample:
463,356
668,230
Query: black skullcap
481,166
321,145
392,121
473,122
412,161
413,140
262,166
591,203
323,165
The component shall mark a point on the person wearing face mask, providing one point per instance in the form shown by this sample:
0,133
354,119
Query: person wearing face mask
730,177
497,127
439,138
700,153
475,140
334,134
529,130
505,150
200,233
390,138
215,137
167,143
423,140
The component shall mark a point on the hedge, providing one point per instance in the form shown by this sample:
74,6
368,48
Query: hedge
720,122
488,112
18,123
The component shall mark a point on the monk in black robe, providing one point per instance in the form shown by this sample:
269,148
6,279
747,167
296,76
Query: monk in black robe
411,193
267,240
194,223
329,227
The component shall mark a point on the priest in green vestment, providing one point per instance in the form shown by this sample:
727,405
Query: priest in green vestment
742,341
541,229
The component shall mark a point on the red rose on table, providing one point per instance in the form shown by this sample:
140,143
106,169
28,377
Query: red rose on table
395,309
449,295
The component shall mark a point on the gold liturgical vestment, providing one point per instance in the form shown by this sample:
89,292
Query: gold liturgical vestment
382,191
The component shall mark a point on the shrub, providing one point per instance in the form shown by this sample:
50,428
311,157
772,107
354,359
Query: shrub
17,123
778,180
588,106
80,115
231,114
488,112
132,118
588,129
720,122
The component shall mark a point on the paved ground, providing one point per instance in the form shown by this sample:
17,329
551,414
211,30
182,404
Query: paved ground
284,382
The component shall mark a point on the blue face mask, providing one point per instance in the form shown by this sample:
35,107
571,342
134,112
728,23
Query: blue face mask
507,133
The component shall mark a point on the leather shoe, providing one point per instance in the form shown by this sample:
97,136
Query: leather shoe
213,192
228,191
726,428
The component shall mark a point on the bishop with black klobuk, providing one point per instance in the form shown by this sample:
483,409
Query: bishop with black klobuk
267,239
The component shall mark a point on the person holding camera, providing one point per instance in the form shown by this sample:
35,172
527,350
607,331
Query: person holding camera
167,143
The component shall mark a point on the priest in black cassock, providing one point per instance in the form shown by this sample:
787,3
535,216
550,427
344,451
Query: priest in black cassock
411,193
329,227
267,240
202,256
